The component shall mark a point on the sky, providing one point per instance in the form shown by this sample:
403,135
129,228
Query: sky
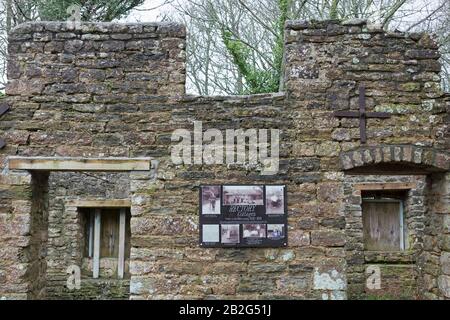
152,10
411,12
148,12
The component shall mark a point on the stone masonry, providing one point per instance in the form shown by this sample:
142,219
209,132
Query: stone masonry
118,90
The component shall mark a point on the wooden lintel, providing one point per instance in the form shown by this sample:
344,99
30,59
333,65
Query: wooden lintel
385,186
114,203
79,164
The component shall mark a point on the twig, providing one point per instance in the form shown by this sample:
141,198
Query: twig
392,12
427,17
258,19
157,7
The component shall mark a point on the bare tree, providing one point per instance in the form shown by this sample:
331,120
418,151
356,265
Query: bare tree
234,46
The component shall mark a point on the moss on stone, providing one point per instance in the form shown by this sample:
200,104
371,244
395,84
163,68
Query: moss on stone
397,108
410,86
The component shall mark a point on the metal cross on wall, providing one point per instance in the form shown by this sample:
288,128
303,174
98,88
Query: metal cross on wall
3,109
362,114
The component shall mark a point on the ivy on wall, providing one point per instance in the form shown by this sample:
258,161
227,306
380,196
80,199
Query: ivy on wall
259,80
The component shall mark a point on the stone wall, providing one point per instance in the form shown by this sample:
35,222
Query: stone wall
65,246
326,62
435,280
111,90
74,91
87,92
37,248
91,289
444,238
24,234
399,271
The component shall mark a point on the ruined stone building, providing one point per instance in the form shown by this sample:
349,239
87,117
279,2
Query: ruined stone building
87,127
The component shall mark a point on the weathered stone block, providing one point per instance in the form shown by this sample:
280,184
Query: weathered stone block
298,238
422,54
445,262
255,284
73,46
346,162
447,223
330,280
112,46
294,283
266,268
329,192
444,285
341,134
327,238
357,159
445,242
304,149
328,149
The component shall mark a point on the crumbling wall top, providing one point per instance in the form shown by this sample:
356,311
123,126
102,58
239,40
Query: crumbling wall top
168,29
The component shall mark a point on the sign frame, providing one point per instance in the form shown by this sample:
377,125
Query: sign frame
232,217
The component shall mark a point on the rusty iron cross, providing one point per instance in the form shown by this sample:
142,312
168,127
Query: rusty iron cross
3,109
362,114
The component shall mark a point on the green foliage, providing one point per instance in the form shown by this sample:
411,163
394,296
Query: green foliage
257,80
91,10
333,9
53,9
278,49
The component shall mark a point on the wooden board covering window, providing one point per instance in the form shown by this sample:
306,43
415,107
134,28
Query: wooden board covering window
382,224
113,227
110,223
87,221
109,235
109,244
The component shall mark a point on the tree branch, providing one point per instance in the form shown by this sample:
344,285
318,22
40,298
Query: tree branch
257,18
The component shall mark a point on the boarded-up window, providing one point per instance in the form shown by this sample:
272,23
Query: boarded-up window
383,225
107,234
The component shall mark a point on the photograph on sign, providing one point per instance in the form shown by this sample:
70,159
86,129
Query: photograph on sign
274,199
243,195
230,233
275,231
254,230
211,200
210,233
